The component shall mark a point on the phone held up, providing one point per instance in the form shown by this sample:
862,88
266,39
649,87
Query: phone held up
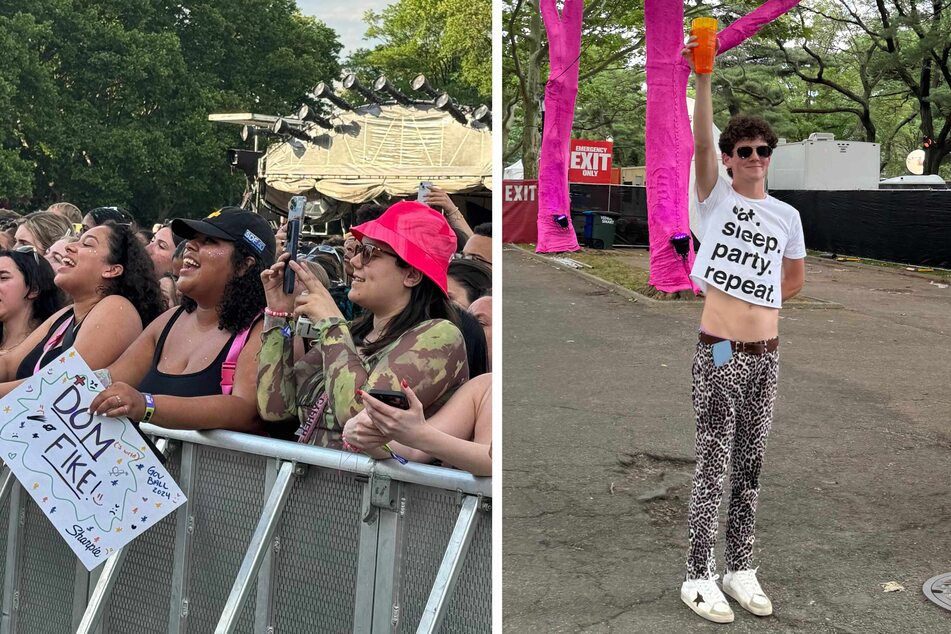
390,397
295,217
425,188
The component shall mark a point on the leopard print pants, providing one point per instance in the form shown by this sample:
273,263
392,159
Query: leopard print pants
734,408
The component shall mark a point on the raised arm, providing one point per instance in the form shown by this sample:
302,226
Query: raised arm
705,150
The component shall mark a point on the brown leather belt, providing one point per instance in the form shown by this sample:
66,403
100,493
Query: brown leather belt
748,347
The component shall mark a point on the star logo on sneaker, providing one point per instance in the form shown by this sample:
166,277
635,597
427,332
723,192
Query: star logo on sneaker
699,599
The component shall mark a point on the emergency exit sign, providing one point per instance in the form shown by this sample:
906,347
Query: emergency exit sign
590,162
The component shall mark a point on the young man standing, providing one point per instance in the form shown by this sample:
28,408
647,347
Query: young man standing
750,260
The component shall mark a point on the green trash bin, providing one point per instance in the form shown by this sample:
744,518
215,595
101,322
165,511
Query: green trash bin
598,230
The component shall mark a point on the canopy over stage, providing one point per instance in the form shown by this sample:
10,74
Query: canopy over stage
373,152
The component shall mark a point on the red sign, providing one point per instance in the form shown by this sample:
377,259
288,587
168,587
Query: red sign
590,162
520,211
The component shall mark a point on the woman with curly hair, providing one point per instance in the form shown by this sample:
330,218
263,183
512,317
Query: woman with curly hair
28,295
194,367
110,279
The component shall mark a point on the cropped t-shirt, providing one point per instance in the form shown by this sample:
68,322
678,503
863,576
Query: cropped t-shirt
742,245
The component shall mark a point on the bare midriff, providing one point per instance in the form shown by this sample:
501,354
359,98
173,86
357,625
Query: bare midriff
731,318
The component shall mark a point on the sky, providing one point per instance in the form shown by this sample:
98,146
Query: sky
345,17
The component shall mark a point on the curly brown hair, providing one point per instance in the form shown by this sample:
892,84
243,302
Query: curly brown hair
742,127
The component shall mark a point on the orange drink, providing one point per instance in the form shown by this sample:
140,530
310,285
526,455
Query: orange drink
705,30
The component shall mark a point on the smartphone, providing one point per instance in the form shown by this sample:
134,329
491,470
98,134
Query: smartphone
425,187
391,398
295,216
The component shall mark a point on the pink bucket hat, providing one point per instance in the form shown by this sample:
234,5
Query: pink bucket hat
418,234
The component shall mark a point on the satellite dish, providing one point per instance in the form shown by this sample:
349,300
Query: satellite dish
915,161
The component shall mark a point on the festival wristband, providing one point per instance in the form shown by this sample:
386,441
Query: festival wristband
400,459
310,330
149,407
276,323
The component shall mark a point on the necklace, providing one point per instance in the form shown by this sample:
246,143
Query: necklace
6,349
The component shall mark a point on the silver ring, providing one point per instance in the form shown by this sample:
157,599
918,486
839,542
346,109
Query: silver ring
118,400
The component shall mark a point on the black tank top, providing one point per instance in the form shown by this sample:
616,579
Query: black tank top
26,367
204,383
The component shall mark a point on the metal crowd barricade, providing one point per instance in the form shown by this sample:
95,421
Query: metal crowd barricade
275,537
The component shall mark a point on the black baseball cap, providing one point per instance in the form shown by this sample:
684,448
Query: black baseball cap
234,225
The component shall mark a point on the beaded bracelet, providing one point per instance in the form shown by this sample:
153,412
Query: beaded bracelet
276,313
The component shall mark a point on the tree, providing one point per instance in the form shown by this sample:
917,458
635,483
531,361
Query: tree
612,36
113,97
449,41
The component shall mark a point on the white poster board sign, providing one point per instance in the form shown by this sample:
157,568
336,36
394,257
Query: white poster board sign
94,477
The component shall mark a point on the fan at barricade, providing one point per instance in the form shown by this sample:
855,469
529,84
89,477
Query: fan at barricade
407,329
194,367
458,435
114,291
28,295
40,230
162,249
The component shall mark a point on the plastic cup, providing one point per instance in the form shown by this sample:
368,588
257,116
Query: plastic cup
705,30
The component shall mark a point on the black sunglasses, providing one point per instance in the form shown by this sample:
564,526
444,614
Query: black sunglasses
745,151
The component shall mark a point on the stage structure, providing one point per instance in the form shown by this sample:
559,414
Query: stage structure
379,150
669,143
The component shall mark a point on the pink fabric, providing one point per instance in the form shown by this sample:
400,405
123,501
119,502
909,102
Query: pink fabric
669,143
564,51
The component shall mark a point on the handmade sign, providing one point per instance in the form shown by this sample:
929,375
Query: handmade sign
94,477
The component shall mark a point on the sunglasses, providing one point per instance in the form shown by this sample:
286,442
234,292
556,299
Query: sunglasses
368,251
470,256
746,151
28,249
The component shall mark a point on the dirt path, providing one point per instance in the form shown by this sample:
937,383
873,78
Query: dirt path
598,455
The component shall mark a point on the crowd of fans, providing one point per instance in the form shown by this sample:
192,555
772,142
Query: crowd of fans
192,329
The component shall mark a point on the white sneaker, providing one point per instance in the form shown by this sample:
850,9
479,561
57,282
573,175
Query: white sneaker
743,586
704,597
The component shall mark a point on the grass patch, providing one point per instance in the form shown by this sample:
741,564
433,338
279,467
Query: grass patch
609,267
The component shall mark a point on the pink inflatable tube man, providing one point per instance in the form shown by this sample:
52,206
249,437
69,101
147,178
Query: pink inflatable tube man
564,51
669,140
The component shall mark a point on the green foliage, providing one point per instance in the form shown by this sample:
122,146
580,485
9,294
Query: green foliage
827,66
449,41
107,102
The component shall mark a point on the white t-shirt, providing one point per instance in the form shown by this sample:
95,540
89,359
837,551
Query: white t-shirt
742,245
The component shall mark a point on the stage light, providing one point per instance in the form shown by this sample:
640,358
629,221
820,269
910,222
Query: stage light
483,115
323,91
382,83
444,103
283,128
350,82
420,84
248,132
304,114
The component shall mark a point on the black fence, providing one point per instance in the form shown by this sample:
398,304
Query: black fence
898,225
627,204
910,226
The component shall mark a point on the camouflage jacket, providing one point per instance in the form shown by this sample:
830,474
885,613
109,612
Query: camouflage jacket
431,357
